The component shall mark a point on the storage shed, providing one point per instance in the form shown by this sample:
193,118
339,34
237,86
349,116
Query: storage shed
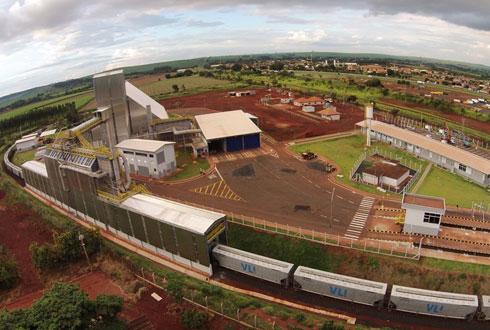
423,214
229,131
329,113
27,142
150,158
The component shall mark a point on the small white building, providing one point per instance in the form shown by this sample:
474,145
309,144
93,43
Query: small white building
149,158
27,142
330,113
423,214
308,108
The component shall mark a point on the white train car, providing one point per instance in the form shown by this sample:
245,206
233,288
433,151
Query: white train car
340,286
435,303
268,269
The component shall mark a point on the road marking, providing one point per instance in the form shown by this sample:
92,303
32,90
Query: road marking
359,219
218,189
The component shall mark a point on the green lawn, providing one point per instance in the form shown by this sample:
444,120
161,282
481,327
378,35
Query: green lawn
80,99
455,189
187,166
23,156
346,151
191,84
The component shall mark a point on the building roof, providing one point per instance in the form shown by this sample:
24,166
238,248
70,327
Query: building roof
36,167
329,112
29,135
435,296
446,150
176,214
226,124
108,73
393,171
309,99
143,100
143,145
26,139
48,132
427,201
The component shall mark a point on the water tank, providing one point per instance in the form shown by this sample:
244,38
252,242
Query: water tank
369,111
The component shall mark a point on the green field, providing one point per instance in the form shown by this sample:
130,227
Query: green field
194,84
188,167
23,156
80,99
455,189
346,151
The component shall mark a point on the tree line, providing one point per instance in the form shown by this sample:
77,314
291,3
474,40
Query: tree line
41,116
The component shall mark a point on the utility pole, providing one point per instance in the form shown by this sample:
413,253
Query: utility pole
80,238
331,207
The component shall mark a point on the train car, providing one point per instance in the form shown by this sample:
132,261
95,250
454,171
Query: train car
340,286
435,303
485,306
268,269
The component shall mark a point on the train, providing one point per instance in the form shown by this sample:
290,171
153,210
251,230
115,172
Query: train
352,289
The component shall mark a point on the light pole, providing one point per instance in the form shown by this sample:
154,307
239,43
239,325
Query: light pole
331,207
80,238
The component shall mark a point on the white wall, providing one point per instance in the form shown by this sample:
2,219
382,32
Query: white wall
414,223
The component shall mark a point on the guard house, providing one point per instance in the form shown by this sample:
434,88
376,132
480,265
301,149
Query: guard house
149,157
423,214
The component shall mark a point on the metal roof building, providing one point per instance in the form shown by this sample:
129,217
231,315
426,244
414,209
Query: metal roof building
462,162
229,131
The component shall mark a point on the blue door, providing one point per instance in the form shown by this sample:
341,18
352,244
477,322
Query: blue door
251,141
234,143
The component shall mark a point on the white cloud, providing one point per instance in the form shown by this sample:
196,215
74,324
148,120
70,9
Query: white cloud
307,36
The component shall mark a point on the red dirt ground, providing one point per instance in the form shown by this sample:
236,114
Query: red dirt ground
469,122
281,124
20,228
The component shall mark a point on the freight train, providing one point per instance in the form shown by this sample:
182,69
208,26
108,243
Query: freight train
360,291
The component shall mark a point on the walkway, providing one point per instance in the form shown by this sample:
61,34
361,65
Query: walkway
359,221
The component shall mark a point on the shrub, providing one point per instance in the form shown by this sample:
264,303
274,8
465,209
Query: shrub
192,319
330,325
108,306
175,288
8,270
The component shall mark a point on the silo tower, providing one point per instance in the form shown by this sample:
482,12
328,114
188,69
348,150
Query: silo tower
369,117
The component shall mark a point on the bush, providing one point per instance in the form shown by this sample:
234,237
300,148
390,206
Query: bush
8,270
192,319
108,306
175,288
330,325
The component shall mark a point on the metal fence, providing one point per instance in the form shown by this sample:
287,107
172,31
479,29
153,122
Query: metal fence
354,176
390,248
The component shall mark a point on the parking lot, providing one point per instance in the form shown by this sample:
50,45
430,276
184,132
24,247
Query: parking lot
278,189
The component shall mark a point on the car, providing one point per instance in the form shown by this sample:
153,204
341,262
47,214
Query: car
309,155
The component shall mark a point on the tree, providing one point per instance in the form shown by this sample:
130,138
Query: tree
175,88
65,306
236,67
374,82
8,270
277,66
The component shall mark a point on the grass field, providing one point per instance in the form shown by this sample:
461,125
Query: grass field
427,273
80,99
23,156
455,189
188,167
346,151
154,87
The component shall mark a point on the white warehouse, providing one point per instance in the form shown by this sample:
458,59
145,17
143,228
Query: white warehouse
149,158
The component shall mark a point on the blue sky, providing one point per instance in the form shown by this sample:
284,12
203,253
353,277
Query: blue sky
43,41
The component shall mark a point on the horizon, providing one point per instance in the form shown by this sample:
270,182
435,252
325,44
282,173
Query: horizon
56,40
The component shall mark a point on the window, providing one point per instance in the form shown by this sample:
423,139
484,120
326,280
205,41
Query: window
462,167
141,154
127,152
432,217
151,155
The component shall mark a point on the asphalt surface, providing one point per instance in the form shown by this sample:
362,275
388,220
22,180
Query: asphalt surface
284,190
367,315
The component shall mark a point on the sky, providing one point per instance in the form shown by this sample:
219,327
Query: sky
45,41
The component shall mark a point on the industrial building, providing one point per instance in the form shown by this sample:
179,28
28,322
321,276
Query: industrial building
464,163
302,101
149,158
84,172
229,131
423,214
